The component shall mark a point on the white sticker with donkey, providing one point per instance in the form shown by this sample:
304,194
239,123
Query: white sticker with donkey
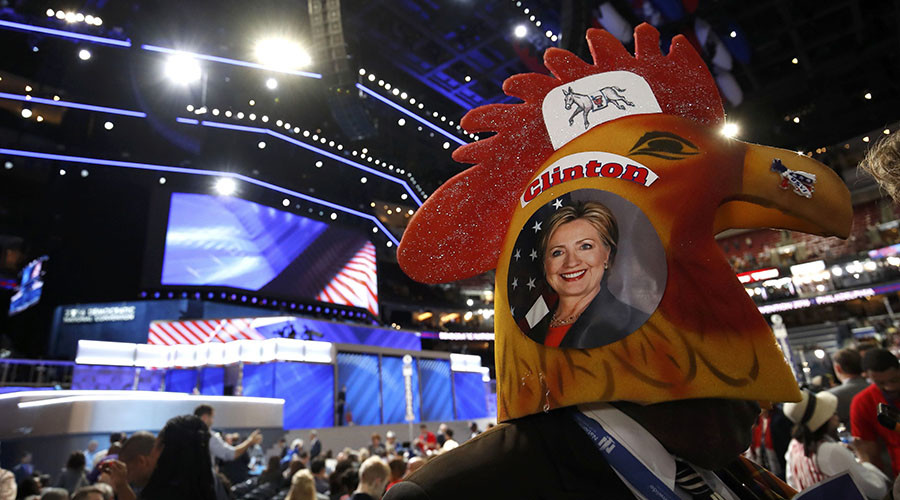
574,108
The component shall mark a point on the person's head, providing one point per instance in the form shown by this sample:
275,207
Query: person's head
138,455
376,438
29,486
76,461
374,475
25,457
423,428
206,414
303,486
92,445
390,437
814,417
274,463
297,444
313,434
847,364
317,467
398,468
116,437
473,427
364,454
415,463
184,462
442,428
303,456
448,432
55,494
295,465
577,246
882,369
882,161
94,492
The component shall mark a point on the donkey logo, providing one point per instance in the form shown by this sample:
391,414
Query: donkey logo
585,104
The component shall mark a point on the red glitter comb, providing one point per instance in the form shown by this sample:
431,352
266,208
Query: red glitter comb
460,229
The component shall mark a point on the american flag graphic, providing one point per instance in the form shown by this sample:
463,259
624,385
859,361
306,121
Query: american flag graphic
356,283
202,331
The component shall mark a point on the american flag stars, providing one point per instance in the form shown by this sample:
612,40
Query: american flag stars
517,255
537,226
533,255
530,284
557,204
515,283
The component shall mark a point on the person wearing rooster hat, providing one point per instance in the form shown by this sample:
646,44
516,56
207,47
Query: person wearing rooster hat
659,409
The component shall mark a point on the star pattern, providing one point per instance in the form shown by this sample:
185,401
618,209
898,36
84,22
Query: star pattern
531,284
537,226
517,255
557,204
533,255
515,283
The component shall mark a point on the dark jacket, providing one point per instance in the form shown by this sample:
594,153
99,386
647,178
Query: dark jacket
543,456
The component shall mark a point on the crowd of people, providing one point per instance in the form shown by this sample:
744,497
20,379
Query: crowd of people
835,428
187,459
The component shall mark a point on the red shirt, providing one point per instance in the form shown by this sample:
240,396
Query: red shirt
864,422
427,439
555,335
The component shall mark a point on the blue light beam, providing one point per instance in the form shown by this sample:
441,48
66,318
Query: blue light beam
65,34
225,60
411,114
75,105
198,171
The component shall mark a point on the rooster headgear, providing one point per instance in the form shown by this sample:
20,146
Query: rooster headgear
640,136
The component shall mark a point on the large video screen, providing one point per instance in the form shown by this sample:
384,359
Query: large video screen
30,287
221,241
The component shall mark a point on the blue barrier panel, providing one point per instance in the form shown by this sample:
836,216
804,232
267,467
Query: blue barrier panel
259,380
181,380
308,393
437,394
468,389
359,374
393,390
150,380
212,381
103,378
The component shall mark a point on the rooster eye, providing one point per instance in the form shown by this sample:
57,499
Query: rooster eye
665,145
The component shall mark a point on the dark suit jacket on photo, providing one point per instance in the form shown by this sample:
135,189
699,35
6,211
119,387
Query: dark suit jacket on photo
543,456
606,320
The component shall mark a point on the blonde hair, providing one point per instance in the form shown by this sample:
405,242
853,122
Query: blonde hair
882,161
303,486
594,213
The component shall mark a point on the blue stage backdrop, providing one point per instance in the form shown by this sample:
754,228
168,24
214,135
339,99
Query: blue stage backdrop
181,380
212,381
150,380
308,393
437,393
393,390
103,378
360,375
471,402
259,380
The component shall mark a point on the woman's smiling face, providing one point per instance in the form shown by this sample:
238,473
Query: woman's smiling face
574,259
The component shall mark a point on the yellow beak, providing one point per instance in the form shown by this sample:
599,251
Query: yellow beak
775,185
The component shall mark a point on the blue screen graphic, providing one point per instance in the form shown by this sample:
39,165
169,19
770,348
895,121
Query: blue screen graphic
471,401
359,374
181,380
437,393
308,393
30,287
225,241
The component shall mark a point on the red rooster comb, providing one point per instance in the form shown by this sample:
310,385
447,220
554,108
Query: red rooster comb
459,231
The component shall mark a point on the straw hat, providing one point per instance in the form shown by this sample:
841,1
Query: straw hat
813,410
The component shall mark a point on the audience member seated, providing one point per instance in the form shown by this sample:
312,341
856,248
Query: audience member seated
303,486
317,468
398,470
426,443
137,455
391,445
815,454
414,464
348,480
24,468
115,440
375,447
29,486
272,472
374,475
90,451
72,476
55,494
95,492
449,442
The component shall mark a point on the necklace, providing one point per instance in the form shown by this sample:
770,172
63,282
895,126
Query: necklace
554,321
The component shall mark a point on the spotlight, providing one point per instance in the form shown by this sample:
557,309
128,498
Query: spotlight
520,31
182,69
261,145
363,180
40,118
401,122
272,84
281,54
226,186
362,71
8,165
285,202
60,14
50,13
795,61
108,125
318,164
730,130
84,173
162,180
70,17
796,119
26,113
333,216
733,34
62,171
371,77
446,145
868,95
404,196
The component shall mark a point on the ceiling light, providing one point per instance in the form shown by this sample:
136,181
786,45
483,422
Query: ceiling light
62,171
26,113
162,180
333,216
733,34
285,202
60,14
50,12
362,71
371,77
866,139
795,61
281,54
182,69
318,164
363,180
84,54
403,196
8,165
261,145
84,173
887,131
403,95
868,95
271,84
446,145
226,186
40,118
730,130
796,119
520,31
108,125
401,122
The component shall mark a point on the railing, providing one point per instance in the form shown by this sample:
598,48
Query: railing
35,373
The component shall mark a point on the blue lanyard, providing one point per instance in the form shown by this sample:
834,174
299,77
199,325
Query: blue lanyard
622,461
